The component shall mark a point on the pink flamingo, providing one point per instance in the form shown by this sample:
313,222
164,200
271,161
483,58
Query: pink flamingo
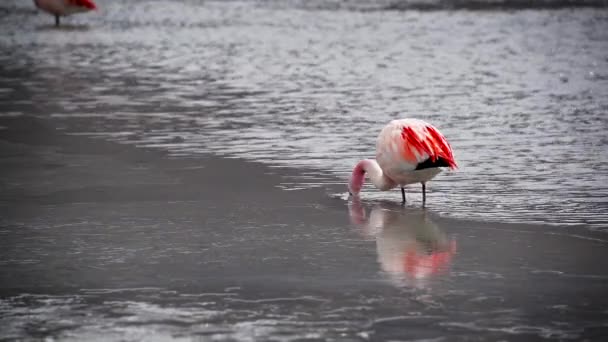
65,7
407,151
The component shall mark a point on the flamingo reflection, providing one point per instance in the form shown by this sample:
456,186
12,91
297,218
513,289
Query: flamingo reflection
411,248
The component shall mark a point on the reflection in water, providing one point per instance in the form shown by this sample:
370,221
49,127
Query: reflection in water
411,248
64,27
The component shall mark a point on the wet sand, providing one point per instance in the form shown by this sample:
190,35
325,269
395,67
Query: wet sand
100,240
56,180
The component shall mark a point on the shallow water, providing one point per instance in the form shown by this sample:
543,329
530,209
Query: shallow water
521,95
156,270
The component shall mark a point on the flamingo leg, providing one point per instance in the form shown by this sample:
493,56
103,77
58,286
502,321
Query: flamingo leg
57,20
403,195
423,194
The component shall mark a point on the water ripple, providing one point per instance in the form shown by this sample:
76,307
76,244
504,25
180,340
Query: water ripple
521,97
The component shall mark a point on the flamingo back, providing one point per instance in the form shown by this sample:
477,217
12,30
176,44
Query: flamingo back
406,146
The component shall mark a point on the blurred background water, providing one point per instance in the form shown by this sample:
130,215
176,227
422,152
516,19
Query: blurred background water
520,92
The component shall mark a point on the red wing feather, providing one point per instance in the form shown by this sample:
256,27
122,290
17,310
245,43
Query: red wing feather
431,142
442,147
84,3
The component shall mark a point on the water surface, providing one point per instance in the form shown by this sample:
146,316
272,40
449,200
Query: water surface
100,240
521,95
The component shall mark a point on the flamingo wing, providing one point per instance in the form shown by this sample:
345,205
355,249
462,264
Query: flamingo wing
427,146
412,144
89,4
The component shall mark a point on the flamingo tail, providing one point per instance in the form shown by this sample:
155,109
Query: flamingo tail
431,143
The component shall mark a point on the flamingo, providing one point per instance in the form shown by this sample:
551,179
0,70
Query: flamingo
407,151
65,7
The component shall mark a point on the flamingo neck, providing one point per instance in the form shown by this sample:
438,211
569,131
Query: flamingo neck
375,174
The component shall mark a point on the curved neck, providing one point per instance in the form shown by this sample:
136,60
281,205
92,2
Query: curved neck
374,173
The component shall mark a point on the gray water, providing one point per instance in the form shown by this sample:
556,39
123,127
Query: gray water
94,249
152,270
521,95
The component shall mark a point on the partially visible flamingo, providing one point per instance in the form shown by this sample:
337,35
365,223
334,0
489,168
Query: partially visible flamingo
407,151
65,7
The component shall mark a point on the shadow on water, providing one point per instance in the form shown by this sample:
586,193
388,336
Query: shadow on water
411,247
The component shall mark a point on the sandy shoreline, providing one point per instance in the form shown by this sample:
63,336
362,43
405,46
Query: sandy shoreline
92,219
54,180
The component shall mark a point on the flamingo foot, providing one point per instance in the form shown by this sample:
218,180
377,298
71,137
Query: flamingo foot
56,20
403,195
